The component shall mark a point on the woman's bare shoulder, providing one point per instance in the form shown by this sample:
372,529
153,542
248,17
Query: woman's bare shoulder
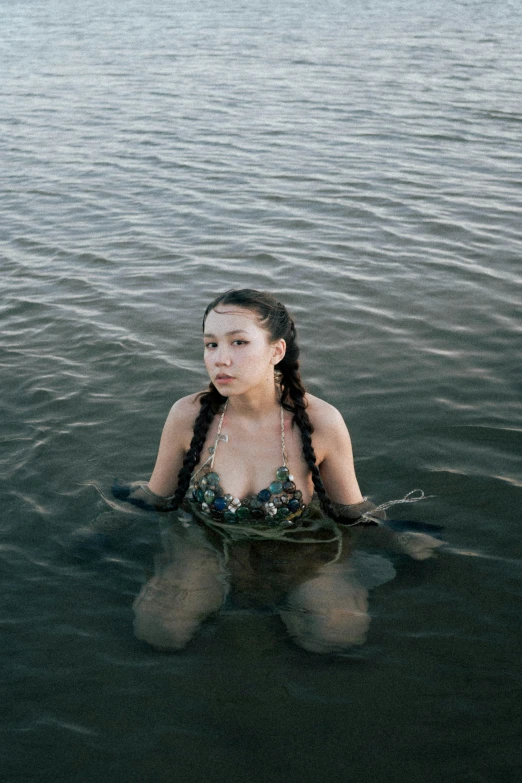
332,442
185,410
324,416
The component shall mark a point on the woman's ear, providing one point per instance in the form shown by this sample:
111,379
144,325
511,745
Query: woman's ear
279,350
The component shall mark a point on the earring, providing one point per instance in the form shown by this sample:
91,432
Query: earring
278,376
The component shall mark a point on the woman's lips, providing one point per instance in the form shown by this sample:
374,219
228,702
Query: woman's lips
224,378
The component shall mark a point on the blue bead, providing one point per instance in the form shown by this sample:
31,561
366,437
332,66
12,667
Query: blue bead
275,487
264,496
294,505
220,504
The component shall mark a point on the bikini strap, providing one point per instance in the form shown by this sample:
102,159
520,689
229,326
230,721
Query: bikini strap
219,437
285,455
212,449
224,438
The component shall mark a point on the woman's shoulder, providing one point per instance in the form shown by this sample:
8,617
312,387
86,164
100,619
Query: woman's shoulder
331,437
184,411
324,416
187,404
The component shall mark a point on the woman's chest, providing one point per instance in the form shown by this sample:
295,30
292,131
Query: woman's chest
248,463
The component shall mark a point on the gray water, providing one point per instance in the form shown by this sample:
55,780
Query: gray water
362,160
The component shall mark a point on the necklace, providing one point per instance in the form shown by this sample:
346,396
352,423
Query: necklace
279,504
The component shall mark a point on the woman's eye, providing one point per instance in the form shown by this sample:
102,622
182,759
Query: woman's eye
235,342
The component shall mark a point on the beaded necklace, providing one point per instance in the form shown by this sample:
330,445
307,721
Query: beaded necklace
278,505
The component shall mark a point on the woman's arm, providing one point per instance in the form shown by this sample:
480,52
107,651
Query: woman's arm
174,443
333,449
335,459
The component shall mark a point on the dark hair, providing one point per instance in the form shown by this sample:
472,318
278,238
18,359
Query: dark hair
274,317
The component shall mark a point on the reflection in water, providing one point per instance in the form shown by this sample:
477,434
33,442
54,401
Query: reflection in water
321,595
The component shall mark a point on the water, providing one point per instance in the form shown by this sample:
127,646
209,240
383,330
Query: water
362,160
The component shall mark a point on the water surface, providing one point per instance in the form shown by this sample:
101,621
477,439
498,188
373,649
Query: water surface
361,160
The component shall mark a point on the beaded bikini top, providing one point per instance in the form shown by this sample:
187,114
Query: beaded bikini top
279,505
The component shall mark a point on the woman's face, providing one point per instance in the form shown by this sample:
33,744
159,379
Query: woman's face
238,352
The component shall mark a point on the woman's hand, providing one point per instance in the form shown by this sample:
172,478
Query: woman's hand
418,546
138,494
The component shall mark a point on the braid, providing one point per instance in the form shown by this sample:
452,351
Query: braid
309,455
293,399
210,402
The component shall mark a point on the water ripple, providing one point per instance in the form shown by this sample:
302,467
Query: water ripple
362,160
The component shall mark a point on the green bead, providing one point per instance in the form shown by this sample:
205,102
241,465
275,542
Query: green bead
209,496
242,513
282,473
282,512
275,487
200,497
229,517
212,479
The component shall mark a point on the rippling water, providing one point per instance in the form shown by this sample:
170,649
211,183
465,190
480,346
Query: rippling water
361,159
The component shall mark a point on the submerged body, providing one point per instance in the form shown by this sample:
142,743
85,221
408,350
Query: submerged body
319,590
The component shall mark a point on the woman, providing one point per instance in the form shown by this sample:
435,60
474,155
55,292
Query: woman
266,472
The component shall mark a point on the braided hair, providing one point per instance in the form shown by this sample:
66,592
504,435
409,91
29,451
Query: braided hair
273,317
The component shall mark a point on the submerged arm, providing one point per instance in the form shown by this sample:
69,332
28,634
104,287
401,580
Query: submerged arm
138,494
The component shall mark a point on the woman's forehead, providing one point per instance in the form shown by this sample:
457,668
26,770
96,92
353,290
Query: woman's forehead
228,317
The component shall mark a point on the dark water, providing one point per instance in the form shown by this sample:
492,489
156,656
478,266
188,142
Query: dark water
363,161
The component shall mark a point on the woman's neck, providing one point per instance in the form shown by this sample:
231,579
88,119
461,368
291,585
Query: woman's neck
256,403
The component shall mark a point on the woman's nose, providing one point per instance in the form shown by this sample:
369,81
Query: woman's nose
222,356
